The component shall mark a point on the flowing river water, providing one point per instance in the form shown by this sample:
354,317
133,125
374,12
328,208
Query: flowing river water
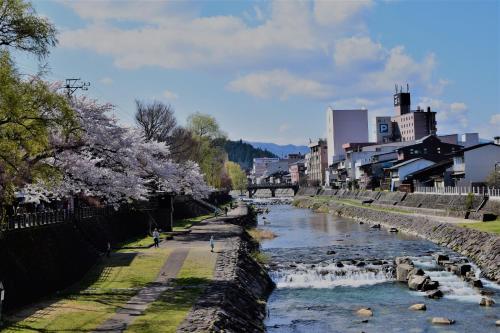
313,294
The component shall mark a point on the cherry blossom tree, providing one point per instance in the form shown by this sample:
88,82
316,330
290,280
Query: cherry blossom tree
101,158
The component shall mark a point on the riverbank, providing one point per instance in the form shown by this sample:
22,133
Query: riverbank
160,289
482,247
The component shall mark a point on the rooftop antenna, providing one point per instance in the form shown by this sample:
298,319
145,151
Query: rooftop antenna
407,88
400,89
396,88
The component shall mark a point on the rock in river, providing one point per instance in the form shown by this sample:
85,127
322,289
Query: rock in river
442,321
486,302
436,293
402,271
365,312
416,282
418,307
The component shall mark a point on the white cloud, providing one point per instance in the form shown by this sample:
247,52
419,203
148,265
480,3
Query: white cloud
349,51
451,117
106,80
399,67
495,119
338,11
283,34
186,42
170,95
279,83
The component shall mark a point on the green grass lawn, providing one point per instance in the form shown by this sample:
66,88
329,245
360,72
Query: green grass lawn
492,226
84,306
165,314
139,242
168,312
184,224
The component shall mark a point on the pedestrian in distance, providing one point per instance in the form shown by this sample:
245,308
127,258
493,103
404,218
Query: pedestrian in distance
212,243
156,237
108,249
225,210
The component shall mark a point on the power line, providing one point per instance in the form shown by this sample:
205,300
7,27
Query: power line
73,85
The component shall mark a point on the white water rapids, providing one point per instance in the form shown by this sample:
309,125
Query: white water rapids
329,276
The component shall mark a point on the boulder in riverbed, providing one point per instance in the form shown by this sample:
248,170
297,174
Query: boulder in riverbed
442,321
403,260
330,252
415,271
402,272
477,283
416,282
436,293
418,307
439,257
486,302
430,285
393,230
365,312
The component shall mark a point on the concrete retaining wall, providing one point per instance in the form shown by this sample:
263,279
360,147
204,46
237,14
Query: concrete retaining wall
38,261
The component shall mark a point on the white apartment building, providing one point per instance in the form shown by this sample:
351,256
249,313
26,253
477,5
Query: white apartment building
343,126
473,165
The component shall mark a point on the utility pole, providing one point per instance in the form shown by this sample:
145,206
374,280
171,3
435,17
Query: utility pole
73,85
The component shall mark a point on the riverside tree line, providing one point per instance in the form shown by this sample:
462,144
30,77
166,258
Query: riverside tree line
53,145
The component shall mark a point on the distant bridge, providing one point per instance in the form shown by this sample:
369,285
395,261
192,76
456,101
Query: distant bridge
252,188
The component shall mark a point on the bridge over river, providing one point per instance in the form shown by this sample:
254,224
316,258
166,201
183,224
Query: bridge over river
252,188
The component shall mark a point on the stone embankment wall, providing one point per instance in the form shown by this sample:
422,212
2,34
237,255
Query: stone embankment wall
235,301
482,247
462,206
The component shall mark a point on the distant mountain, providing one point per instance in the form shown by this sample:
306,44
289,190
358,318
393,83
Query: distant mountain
280,150
243,153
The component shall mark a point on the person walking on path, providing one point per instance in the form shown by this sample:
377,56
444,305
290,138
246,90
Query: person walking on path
225,210
156,237
212,243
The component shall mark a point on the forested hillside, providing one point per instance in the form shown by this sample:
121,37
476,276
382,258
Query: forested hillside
244,153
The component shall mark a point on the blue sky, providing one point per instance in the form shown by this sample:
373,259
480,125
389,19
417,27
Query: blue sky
267,70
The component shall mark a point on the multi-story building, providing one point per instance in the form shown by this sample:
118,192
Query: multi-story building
406,125
473,165
297,171
318,162
430,147
343,126
262,164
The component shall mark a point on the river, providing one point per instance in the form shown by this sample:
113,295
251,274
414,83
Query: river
313,294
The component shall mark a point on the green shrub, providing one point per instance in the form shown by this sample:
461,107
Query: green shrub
469,201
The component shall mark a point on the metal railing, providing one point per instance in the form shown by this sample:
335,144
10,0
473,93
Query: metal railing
29,220
460,190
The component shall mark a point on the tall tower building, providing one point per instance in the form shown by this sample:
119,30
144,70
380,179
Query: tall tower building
402,103
344,126
407,124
